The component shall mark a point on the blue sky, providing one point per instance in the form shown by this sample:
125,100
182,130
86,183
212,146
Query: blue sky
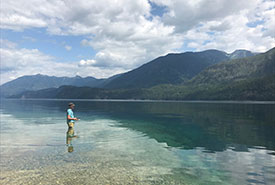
104,38
64,48
54,45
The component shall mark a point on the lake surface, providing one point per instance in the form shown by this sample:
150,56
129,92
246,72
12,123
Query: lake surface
128,142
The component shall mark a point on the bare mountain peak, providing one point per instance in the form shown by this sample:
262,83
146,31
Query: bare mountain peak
240,53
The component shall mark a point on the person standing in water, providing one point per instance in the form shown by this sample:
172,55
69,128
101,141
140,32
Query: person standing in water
70,115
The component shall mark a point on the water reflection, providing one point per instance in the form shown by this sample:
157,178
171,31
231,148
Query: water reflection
212,126
69,137
177,143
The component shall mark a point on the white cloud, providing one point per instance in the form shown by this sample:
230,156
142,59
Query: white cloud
68,48
125,35
236,34
86,62
222,24
122,32
188,14
17,62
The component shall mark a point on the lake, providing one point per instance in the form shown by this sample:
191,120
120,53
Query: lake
137,142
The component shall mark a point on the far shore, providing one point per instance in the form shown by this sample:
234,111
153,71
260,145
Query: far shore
141,100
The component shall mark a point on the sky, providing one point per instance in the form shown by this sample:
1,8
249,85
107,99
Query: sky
108,37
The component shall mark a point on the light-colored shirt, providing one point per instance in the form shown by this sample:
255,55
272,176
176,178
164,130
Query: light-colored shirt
71,113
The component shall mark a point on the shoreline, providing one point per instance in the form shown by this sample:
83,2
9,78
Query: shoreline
140,100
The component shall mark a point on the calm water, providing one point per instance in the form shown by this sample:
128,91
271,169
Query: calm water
137,143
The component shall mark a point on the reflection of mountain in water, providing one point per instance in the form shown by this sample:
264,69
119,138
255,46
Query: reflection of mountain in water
213,126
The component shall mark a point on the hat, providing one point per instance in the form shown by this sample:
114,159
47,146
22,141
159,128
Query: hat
71,104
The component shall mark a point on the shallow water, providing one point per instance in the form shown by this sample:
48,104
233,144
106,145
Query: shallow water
121,142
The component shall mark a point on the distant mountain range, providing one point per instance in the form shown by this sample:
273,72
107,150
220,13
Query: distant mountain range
38,82
249,78
169,69
173,68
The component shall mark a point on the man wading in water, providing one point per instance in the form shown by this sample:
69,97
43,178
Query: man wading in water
70,121
70,115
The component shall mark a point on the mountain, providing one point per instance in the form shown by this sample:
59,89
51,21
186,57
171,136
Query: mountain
169,69
238,69
260,89
253,89
250,78
37,82
172,69
241,53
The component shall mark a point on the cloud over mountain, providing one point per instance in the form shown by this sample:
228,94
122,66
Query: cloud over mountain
125,34
17,62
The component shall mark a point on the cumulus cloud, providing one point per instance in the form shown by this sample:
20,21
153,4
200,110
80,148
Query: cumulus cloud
222,24
16,62
125,34
233,32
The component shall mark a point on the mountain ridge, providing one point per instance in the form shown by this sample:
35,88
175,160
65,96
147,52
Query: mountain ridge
173,68
258,85
238,69
39,81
